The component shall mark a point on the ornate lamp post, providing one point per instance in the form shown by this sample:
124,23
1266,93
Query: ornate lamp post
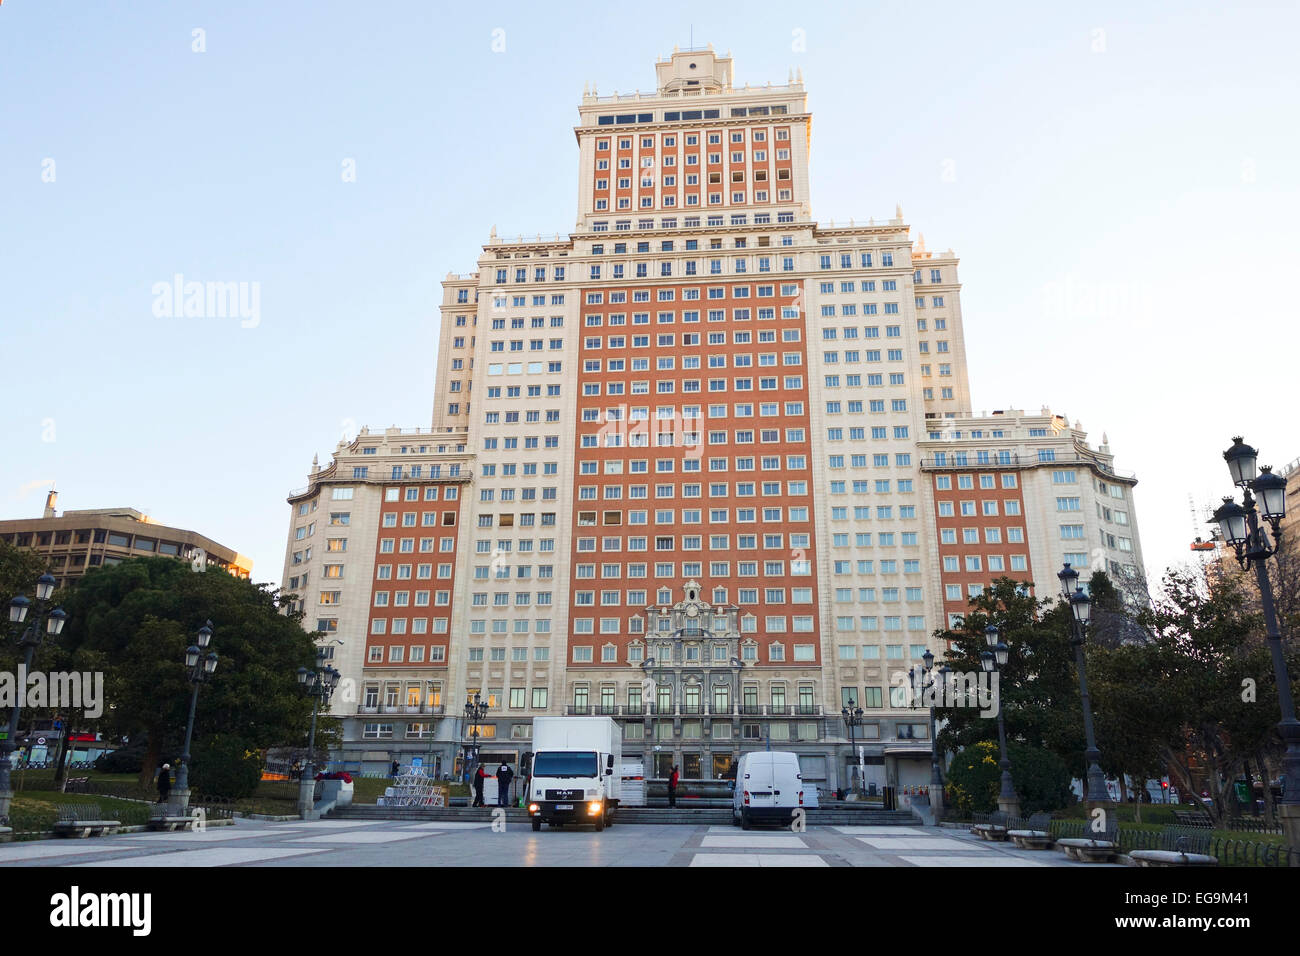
476,709
1095,793
319,682
927,676
1264,495
852,715
197,670
43,622
992,661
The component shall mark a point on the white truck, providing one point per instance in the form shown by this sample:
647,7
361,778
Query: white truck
575,772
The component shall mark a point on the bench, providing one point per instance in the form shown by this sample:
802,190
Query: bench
1031,834
83,820
76,785
1193,818
1179,846
163,816
1098,847
990,826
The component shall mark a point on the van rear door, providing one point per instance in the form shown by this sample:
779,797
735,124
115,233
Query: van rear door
761,783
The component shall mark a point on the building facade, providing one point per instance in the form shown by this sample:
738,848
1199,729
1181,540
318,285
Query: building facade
1020,495
689,440
76,541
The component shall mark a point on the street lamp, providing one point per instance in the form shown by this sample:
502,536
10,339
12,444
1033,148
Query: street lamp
852,715
1095,792
43,622
928,678
1264,495
319,682
992,661
476,709
197,670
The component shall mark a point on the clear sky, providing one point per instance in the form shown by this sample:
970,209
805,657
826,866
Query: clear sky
1120,181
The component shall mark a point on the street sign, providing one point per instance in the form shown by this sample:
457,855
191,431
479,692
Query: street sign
40,741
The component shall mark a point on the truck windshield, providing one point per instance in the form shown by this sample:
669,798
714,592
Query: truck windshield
561,764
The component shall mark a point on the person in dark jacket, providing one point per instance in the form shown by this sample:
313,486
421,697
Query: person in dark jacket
672,786
164,782
504,776
479,777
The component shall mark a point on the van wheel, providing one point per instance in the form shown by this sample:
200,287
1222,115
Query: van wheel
537,824
745,823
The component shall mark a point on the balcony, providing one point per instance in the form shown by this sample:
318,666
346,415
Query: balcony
578,710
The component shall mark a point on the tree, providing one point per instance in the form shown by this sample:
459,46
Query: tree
1037,687
1208,663
143,613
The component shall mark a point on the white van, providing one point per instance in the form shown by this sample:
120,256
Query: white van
769,788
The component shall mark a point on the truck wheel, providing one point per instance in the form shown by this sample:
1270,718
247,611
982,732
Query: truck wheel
745,823
537,824
600,823
609,820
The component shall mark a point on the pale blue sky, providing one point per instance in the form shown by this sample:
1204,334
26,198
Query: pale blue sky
1147,171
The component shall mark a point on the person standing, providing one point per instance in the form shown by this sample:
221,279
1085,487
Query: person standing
164,782
479,777
504,776
394,769
672,786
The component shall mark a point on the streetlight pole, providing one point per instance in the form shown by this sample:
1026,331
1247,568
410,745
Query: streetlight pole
53,622
196,672
1095,793
476,709
319,682
992,661
1264,495
936,770
852,715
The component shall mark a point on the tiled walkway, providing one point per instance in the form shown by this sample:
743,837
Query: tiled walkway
397,843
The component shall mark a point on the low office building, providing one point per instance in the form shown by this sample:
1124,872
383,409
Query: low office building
76,541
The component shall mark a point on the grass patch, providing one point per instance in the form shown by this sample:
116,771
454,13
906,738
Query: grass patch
39,811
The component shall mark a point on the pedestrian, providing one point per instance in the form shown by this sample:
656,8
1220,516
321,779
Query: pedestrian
295,772
504,776
479,777
164,782
394,769
672,786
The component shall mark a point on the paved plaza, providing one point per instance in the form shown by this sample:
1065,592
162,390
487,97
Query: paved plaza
407,843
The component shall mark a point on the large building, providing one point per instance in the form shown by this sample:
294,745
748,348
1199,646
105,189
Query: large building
1020,495
76,541
689,486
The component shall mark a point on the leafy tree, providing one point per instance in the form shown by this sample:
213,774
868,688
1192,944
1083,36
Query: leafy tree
1038,690
1209,665
143,613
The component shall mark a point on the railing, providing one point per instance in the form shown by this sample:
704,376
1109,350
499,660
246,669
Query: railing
949,461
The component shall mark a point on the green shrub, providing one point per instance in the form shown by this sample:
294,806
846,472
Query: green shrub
125,759
973,779
1041,779
224,766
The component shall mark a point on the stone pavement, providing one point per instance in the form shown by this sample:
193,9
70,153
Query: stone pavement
405,843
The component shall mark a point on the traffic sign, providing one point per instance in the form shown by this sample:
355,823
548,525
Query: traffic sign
40,741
